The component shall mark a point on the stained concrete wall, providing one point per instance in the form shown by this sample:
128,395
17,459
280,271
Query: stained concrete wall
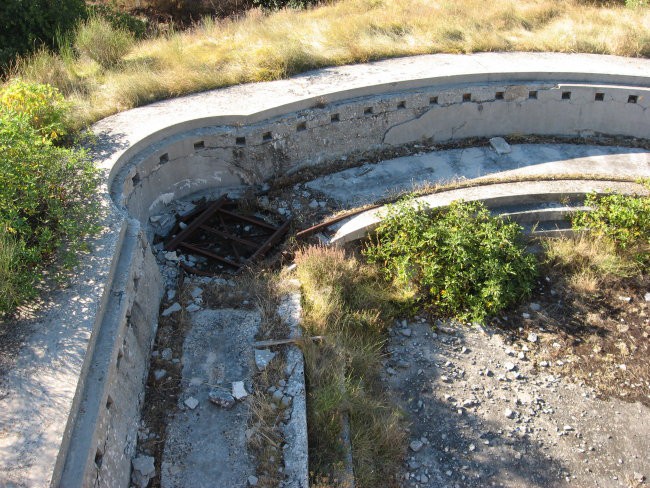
244,154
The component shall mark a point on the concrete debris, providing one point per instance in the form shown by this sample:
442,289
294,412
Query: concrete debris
166,354
221,398
143,470
159,374
535,307
191,403
500,145
647,297
262,358
239,390
175,307
510,366
532,337
171,256
196,292
252,481
193,307
405,332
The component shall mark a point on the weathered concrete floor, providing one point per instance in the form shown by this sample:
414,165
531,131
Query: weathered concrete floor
206,445
371,182
482,415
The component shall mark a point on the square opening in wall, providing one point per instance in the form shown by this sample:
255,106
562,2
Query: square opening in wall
136,179
240,141
401,105
433,100
498,96
599,97
368,111
99,458
301,126
335,118
566,95
532,95
164,158
467,97
199,145
632,99
267,136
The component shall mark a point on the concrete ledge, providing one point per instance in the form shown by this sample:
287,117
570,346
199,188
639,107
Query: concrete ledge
494,195
70,403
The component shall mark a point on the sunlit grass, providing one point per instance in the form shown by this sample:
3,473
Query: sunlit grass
266,46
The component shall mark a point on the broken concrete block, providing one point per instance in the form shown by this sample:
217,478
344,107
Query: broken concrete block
500,145
262,358
221,398
175,307
143,470
191,403
239,390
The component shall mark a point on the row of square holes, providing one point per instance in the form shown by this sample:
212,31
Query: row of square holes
467,97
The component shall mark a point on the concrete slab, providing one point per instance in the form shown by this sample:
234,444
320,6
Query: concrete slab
206,445
372,182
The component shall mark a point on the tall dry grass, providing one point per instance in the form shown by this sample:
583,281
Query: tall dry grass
266,46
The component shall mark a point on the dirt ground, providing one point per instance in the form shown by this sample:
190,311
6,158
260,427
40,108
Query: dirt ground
554,393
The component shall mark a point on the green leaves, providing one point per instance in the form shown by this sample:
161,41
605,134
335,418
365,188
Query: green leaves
463,262
47,192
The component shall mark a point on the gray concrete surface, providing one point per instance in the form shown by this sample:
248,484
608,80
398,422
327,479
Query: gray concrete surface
371,182
206,446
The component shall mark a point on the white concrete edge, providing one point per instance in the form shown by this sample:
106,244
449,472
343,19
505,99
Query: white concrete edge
493,194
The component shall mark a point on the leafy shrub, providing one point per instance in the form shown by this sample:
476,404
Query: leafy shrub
462,261
622,218
101,42
29,24
119,19
47,202
45,108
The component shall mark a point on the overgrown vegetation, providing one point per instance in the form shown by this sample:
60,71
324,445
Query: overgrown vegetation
612,242
265,45
349,304
461,261
47,192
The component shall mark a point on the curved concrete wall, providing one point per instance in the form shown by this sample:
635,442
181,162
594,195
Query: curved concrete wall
245,135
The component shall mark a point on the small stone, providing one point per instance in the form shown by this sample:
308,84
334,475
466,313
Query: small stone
286,401
647,297
166,354
191,403
171,256
509,413
143,470
159,374
171,294
509,366
239,390
252,480
521,355
175,307
277,396
638,477
544,364
568,428
197,292
416,445
535,307
532,337
424,478
472,447
625,299
405,332
262,358
313,204
221,398
500,145
193,307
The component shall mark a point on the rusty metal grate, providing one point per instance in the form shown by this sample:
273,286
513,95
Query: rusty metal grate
217,232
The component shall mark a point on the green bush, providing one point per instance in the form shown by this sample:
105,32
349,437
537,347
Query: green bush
119,19
98,39
30,24
622,218
47,192
462,261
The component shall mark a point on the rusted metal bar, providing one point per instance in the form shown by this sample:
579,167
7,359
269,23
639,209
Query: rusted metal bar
271,241
281,342
209,254
227,235
311,230
195,224
250,220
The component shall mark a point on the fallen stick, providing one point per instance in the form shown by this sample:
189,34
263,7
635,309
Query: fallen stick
281,342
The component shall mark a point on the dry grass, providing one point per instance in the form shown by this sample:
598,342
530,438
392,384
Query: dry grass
589,262
351,306
265,46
